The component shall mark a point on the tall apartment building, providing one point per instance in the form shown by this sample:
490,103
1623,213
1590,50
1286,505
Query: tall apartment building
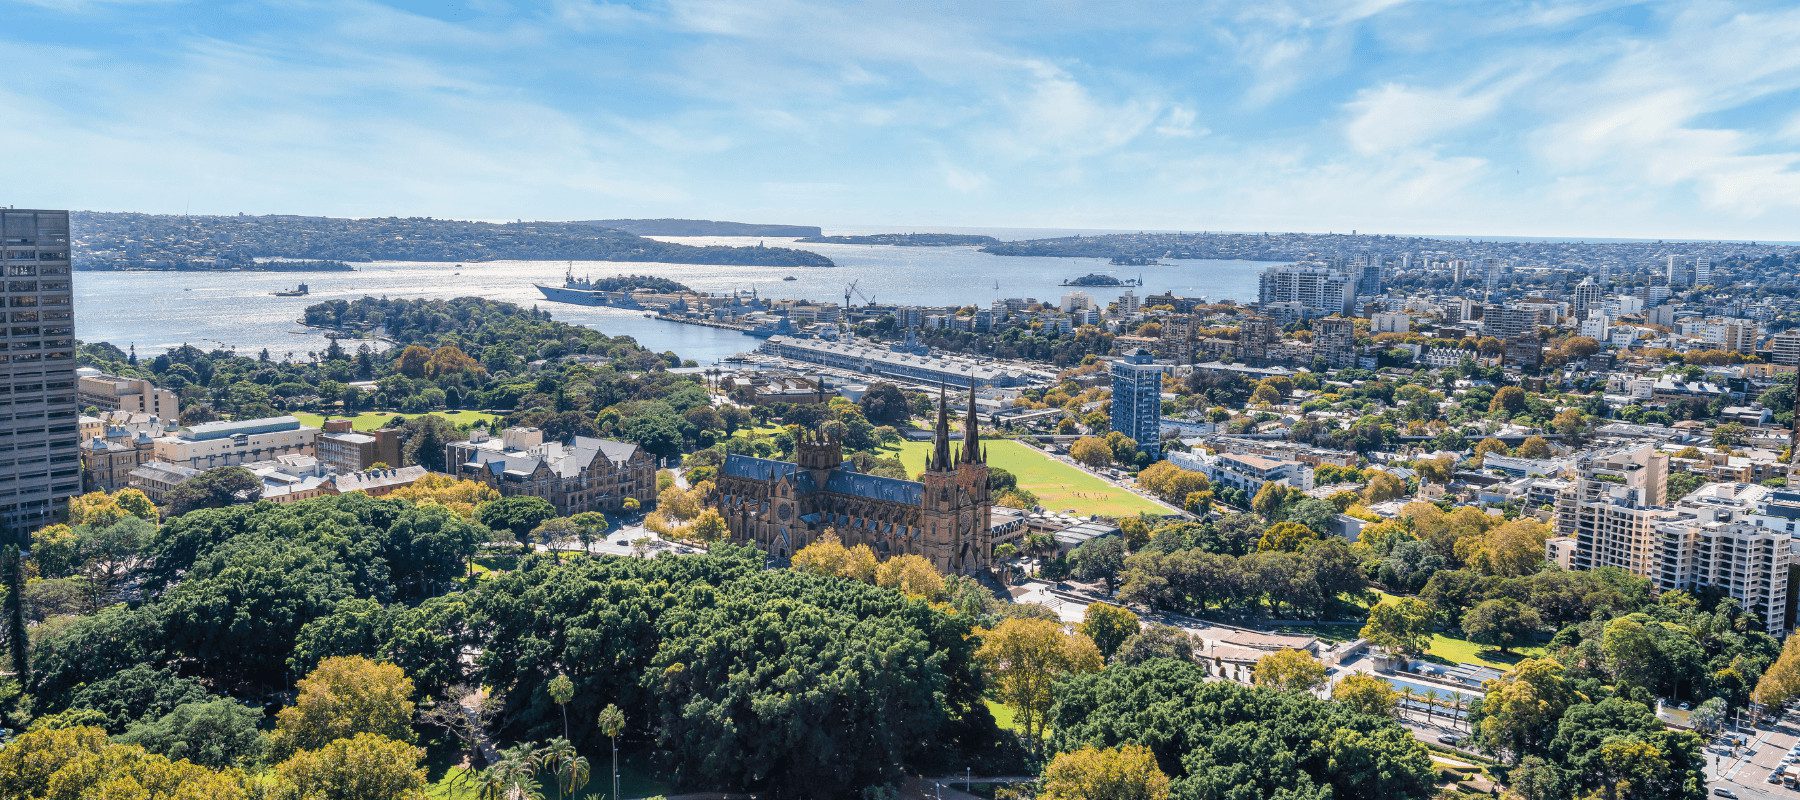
1784,348
1588,296
1612,506
1702,271
1371,277
1734,537
1737,335
1319,289
40,465
1504,321
1334,341
1137,400
134,395
1255,336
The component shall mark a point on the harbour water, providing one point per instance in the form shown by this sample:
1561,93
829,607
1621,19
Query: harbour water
156,311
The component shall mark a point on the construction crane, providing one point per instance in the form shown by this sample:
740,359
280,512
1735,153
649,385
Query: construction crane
852,290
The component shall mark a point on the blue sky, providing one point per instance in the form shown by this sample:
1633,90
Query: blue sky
1555,119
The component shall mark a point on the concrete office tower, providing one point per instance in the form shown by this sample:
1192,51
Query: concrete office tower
1702,271
1137,400
40,468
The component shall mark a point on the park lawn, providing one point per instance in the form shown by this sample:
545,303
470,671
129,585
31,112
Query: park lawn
1058,486
1463,651
1004,715
371,420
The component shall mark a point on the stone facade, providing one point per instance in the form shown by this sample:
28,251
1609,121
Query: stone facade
946,517
582,474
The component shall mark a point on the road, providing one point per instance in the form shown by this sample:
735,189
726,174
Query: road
1745,773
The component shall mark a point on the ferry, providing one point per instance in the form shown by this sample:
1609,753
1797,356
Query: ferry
298,291
790,278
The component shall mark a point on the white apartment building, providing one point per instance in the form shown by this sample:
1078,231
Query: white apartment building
1729,536
1318,289
228,444
1244,471
1391,322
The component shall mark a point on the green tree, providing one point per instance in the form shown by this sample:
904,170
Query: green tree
1092,451
363,767
1501,622
1366,694
214,488
1124,773
561,690
1155,641
1400,625
343,697
612,723
570,768
516,515
1025,658
1109,626
218,734
1521,708
1289,671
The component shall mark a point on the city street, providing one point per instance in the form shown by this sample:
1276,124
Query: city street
1746,773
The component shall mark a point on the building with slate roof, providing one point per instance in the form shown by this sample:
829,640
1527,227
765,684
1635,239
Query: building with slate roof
582,474
946,517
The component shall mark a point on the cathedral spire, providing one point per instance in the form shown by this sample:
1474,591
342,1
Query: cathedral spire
971,449
940,451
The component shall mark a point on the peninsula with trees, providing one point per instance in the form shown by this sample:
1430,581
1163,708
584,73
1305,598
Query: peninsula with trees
118,241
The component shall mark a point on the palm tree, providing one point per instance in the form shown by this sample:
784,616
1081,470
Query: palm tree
1406,692
561,691
570,767
513,777
612,723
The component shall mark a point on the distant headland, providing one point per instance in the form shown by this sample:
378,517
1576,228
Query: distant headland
908,239
700,227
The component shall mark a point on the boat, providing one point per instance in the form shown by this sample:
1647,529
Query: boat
581,292
298,291
790,278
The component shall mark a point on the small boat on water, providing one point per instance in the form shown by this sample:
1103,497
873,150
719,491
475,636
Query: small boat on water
790,278
298,291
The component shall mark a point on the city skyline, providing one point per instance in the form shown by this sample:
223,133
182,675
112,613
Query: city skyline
1592,120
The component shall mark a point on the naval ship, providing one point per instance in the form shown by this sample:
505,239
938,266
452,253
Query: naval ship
581,292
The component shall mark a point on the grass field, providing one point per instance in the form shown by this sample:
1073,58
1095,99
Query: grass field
1463,651
1059,486
370,420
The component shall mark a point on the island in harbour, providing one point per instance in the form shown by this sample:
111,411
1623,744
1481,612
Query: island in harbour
908,239
116,241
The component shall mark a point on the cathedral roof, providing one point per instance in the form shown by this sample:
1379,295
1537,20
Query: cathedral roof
843,480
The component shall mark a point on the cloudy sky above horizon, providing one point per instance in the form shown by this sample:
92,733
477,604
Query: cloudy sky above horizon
1596,118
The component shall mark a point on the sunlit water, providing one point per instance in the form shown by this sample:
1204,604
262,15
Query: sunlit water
159,310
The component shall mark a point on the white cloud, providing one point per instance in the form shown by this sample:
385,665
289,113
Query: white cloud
1395,117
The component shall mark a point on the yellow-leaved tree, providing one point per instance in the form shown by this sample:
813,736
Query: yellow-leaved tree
345,696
